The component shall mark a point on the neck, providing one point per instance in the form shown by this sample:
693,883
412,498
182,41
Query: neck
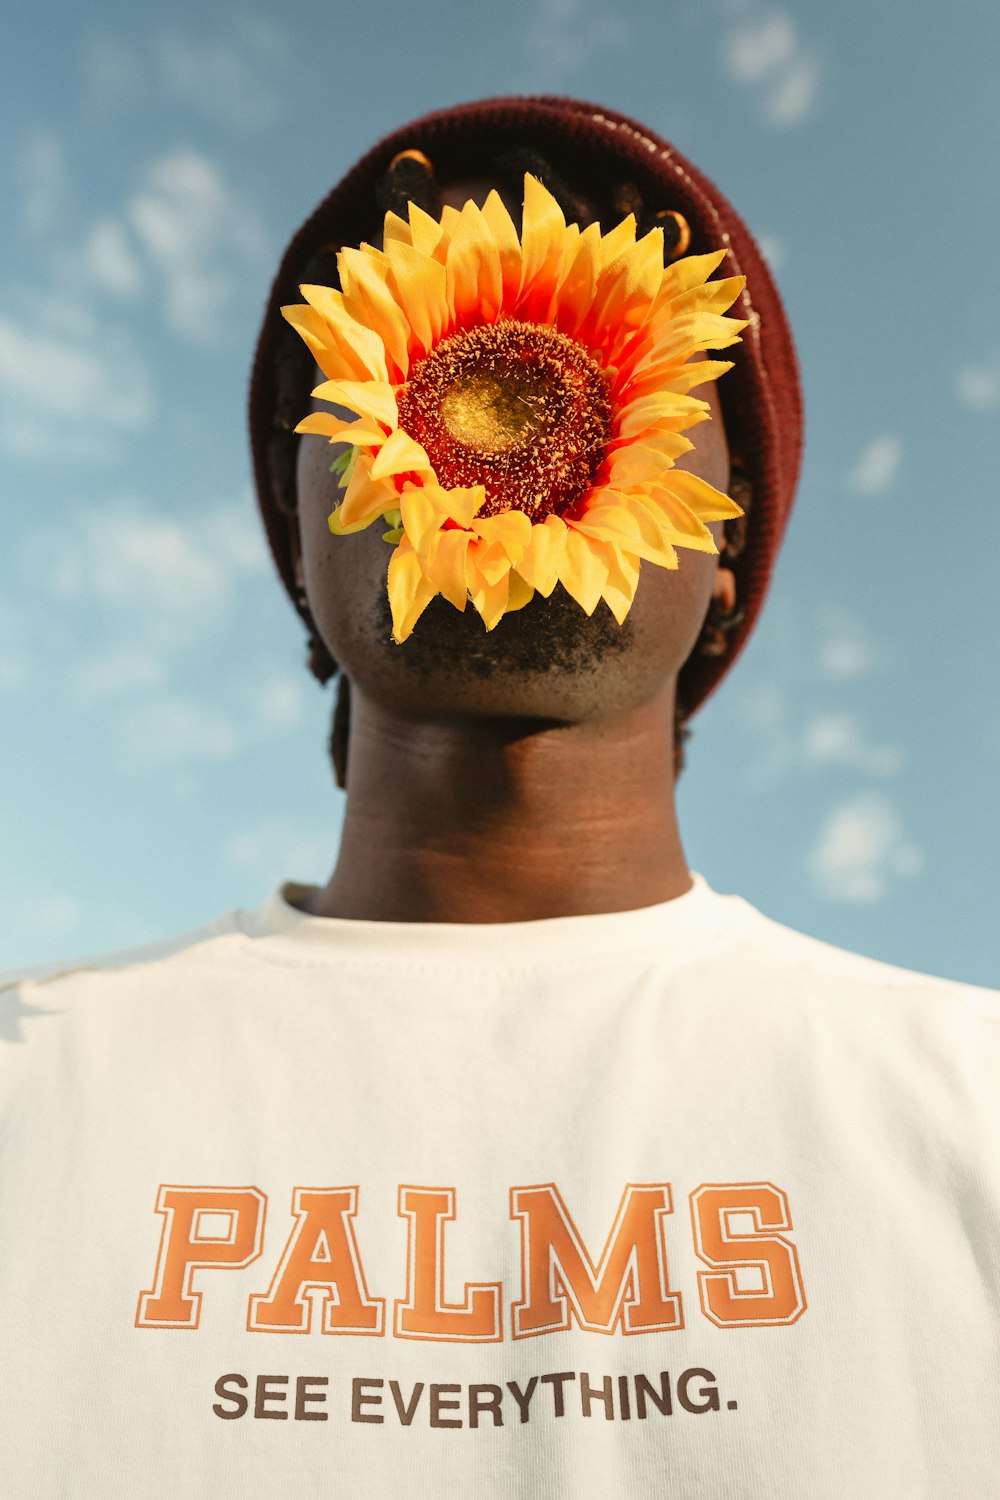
502,820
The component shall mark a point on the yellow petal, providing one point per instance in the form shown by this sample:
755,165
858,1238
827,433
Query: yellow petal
490,559
490,599
630,526
584,570
449,221
671,376
315,333
459,505
400,454
689,271
369,301
679,523
542,557
711,296
475,283
635,417
501,227
625,293
699,372
421,289
409,591
511,529
445,564
622,582
682,277
519,592
425,232
642,461
576,293
364,499
345,351
422,518
542,234
362,434
681,336
618,240
394,230
707,503
369,398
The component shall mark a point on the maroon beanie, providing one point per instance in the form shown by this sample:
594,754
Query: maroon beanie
594,150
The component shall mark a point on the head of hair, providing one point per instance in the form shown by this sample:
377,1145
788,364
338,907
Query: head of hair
761,413
409,180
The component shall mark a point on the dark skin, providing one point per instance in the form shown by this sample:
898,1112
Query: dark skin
509,775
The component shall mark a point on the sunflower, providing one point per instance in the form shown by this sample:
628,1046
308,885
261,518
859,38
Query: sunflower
518,403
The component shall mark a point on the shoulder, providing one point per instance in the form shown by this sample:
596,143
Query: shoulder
846,974
175,946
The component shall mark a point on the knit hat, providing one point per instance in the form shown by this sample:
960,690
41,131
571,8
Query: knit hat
595,150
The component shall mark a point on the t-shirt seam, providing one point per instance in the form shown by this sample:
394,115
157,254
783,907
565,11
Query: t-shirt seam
248,942
450,963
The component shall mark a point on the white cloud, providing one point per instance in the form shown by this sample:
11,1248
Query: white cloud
167,732
793,93
877,466
793,739
756,48
108,258
845,651
69,393
45,177
275,702
766,54
64,377
119,670
73,382
277,849
144,588
164,733
978,386
199,236
563,36
838,739
172,580
773,250
133,559
63,312
231,80
861,848
767,716
229,530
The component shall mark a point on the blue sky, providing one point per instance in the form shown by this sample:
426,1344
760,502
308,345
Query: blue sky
163,749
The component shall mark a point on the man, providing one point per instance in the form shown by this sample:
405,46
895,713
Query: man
513,1160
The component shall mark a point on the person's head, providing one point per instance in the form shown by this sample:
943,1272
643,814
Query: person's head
548,660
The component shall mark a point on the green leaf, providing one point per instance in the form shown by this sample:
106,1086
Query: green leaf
343,466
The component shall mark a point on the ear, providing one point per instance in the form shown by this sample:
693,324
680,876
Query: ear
724,590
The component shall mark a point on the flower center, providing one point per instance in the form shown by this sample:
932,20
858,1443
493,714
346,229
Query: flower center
516,407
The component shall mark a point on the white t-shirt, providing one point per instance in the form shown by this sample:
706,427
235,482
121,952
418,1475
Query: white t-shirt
665,1201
